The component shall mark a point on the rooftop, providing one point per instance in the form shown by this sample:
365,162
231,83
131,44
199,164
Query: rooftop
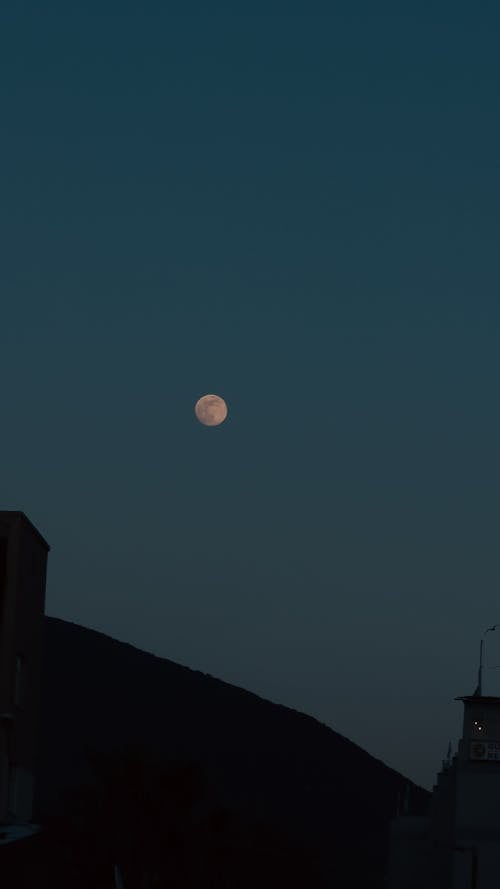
10,516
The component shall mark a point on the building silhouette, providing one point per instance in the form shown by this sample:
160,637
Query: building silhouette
23,567
457,845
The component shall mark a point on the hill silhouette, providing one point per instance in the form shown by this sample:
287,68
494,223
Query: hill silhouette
266,761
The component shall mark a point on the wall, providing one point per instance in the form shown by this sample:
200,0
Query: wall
410,854
22,603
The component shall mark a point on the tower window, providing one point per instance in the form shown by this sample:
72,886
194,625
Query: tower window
482,727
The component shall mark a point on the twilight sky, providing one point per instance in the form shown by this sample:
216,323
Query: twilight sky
295,206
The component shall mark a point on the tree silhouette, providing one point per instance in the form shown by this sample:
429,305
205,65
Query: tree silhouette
154,819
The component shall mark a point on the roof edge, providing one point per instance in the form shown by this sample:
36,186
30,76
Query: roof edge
10,514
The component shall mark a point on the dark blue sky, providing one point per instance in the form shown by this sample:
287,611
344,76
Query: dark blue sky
298,210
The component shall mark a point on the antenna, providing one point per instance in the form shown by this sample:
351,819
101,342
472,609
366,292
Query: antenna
479,688
447,761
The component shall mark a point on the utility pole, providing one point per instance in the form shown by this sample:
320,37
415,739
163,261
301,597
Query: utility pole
474,869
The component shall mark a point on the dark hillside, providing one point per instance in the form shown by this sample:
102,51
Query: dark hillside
269,760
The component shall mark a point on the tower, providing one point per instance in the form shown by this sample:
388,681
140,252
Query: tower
457,845
23,567
477,787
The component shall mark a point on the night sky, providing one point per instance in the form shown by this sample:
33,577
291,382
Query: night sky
294,206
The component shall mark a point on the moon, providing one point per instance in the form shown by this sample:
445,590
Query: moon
211,410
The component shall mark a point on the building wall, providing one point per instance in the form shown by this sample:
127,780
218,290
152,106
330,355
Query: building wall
478,798
4,779
488,865
23,565
442,826
411,856
478,823
464,816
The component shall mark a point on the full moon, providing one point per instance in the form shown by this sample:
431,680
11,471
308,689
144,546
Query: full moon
211,410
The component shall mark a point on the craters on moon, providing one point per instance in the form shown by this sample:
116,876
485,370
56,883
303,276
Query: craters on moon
211,410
